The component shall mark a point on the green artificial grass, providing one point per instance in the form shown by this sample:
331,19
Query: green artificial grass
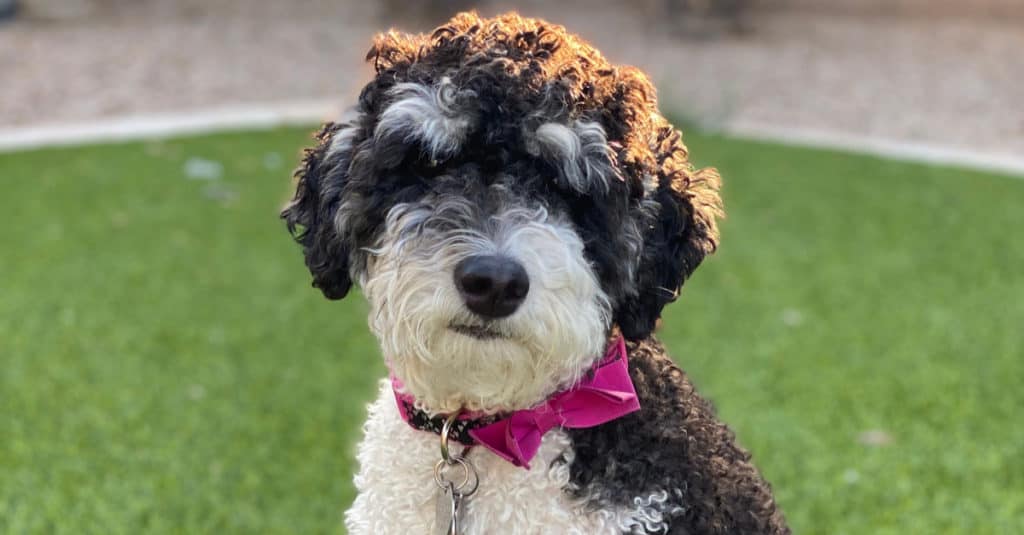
165,366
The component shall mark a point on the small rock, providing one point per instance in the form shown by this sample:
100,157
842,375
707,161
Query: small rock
792,317
201,169
196,392
875,437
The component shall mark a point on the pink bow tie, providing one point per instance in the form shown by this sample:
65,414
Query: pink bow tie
604,394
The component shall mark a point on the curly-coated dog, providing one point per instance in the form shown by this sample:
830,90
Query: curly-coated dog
517,213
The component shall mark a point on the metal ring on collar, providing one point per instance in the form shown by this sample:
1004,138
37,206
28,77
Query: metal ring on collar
445,431
439,473
468,474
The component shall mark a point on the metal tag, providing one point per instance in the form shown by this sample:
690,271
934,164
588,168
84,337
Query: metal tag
449,507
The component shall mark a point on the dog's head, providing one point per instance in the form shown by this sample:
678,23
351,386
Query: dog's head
504,197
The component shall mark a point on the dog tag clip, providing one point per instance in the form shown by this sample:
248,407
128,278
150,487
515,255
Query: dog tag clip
453,489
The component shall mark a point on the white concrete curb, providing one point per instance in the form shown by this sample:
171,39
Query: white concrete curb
310,112
129,128
876,146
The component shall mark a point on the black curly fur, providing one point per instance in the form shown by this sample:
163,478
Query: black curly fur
316,198
673,444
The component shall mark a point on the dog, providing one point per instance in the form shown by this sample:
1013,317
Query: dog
518,213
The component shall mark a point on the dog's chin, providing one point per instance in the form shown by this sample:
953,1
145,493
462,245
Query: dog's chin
451,362
477,366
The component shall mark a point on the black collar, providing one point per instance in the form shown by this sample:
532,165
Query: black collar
460,429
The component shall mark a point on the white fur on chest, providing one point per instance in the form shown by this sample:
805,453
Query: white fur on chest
397,493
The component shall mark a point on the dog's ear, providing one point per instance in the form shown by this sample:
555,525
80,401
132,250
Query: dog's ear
311,214
680,211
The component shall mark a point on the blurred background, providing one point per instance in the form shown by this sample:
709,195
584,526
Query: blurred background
166,368
941,71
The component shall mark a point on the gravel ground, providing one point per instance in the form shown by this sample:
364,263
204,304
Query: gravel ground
953,82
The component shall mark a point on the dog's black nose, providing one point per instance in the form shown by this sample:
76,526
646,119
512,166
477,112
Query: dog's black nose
492,286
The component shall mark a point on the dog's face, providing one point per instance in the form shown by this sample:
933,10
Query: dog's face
481,296
498,232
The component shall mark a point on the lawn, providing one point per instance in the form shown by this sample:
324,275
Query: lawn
166,368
